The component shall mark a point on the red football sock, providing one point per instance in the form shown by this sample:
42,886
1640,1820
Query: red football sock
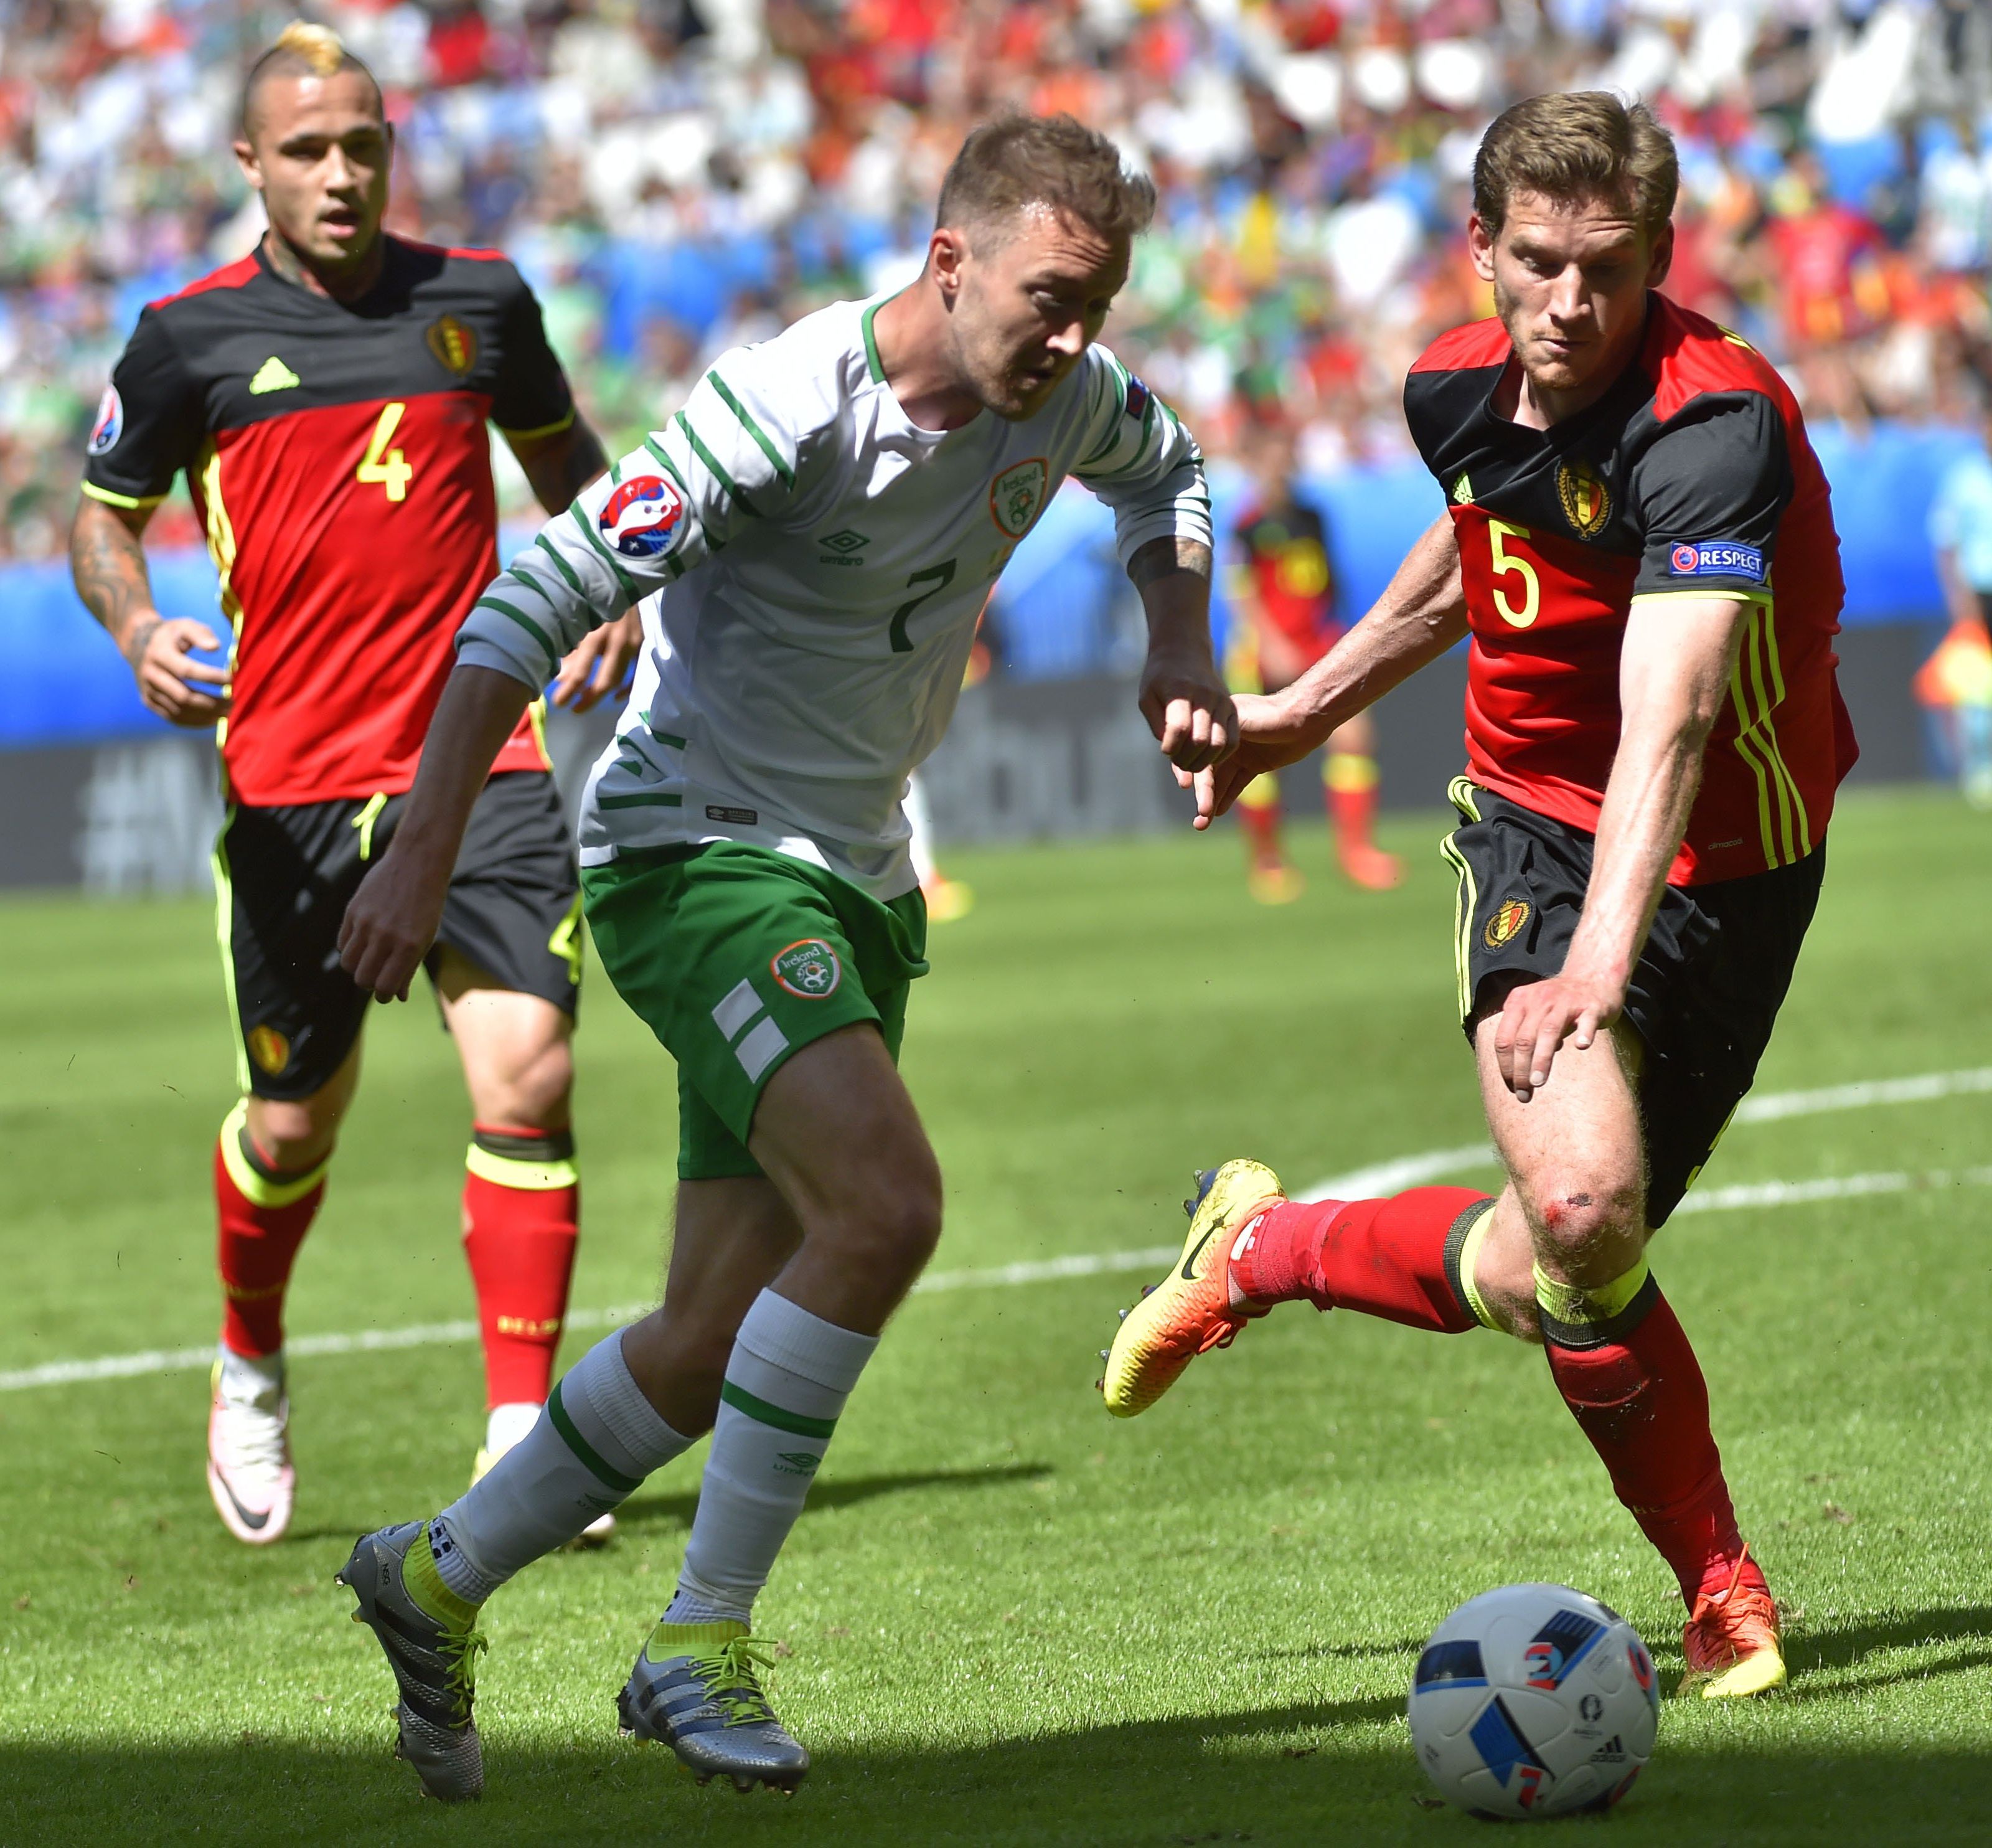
1260,820
1352,783
1393,1258
1638,1393
262,1214
521,1215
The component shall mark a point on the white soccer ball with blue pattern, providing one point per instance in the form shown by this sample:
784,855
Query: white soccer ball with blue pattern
1534,1700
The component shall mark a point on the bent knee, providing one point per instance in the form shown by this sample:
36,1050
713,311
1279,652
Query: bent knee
1579,1214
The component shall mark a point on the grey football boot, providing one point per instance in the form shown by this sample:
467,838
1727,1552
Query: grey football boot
432,1643
696,1688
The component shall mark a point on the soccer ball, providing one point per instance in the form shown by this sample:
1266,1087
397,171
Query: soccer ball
1534,1700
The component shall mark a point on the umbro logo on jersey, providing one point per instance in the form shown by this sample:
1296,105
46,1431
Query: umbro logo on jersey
842,547
273,375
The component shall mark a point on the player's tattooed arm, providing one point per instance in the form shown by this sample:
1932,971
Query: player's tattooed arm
1421,613
1182,695
107,556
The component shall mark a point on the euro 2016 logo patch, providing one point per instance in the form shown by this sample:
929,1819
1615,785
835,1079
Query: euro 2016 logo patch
454,344
1717,559
1507,923
1017,494
1586,503
269,1049
110,424
644,517
809,968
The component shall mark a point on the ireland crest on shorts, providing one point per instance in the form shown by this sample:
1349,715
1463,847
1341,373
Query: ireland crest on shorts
809,968
1017,496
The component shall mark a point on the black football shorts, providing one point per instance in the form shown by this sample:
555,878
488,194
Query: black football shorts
284,876
1703,996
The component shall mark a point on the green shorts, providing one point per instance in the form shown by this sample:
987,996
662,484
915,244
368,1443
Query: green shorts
735,956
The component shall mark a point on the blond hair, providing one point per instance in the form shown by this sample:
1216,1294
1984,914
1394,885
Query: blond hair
1574,146
302,49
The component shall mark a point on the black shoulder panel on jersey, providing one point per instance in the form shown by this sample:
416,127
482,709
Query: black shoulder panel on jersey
214,360
1439,406
150,425
1709,487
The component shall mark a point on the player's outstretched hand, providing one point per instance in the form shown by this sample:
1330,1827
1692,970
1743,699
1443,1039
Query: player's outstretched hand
600,664
391,922
171,684
1540,1016
1188,710
1269,736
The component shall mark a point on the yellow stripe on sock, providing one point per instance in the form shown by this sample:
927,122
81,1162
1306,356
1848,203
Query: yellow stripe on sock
528,1176
1350,773
1469,1256
1566,1303
258,1190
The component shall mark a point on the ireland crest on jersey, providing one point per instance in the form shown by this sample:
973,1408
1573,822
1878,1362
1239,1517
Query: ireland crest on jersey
809,968
1017,496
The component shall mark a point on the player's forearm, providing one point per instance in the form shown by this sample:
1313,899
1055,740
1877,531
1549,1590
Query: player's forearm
1674,671
106,560
1172,576
560,466
1421,613
478,712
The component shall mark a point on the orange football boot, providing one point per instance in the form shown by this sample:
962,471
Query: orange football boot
1190,1311
1369,866
1732,1643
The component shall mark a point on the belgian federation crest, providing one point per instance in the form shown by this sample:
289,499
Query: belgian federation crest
1017,496
1587,503
809,968
269,1049
1507,923
454,343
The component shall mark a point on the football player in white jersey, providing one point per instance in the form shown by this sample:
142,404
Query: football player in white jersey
822,522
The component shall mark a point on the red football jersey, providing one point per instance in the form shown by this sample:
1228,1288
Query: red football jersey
338,459
1691,476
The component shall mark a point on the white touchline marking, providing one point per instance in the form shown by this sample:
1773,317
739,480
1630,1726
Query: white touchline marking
1359,1183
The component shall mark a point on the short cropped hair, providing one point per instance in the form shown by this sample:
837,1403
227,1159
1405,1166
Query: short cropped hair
1018,161
1575,146
301,50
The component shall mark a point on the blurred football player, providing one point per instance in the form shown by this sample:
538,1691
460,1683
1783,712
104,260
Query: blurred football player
1284,592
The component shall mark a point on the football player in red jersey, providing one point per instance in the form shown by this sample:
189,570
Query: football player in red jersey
327,398
1284,590
1653,742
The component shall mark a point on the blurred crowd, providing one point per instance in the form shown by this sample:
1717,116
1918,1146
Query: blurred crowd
678,175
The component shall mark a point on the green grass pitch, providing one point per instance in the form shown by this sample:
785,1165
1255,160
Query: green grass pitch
1004,1618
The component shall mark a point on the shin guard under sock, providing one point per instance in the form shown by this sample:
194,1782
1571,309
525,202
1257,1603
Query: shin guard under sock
1624,1367
261,1216
1398,1258
786,1386
521,1211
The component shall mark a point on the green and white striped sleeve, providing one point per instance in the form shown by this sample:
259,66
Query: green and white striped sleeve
1141,460
726,459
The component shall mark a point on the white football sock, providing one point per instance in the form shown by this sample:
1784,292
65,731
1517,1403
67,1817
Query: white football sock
786,1382
596,1439
252,1379
505,1425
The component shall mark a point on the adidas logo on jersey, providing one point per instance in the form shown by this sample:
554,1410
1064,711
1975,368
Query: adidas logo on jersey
273,375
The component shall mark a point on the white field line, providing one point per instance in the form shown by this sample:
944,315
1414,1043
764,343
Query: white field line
1380,1177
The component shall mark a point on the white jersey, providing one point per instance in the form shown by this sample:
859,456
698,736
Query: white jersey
820,562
